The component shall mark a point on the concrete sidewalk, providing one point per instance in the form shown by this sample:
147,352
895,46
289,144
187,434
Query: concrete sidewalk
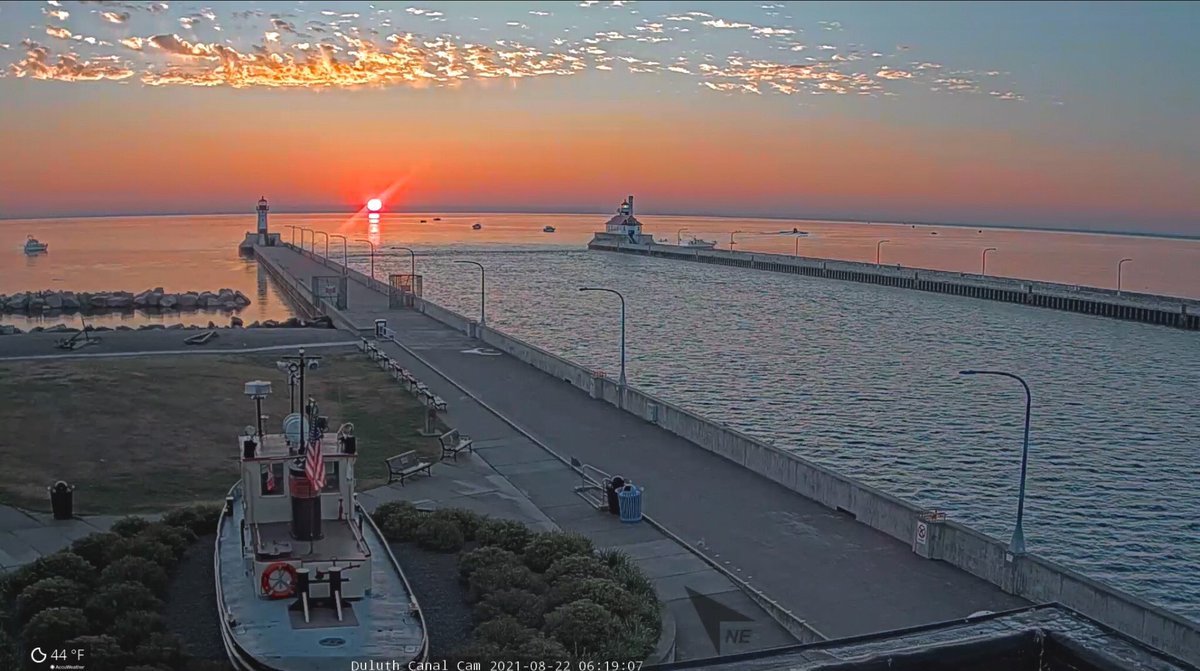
26,535
843,577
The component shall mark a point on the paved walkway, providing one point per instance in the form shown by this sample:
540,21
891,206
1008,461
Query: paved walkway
843,577
25,536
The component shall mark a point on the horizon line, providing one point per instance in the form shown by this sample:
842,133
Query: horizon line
1009,227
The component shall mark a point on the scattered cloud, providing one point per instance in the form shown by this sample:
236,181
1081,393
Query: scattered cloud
135,43
37,64
60,14
60,33
115,17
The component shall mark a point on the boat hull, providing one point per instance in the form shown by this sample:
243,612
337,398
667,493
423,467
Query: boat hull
385,569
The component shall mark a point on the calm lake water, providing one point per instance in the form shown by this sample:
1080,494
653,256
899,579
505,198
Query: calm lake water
859,377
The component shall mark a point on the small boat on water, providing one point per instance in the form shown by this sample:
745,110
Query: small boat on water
477,226
32,246
548,229
701,244
423,221
437,218
304,578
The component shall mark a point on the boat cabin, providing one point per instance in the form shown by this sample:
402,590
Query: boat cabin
301,539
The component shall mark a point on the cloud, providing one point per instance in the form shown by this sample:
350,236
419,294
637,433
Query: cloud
187,22
115,17
68,67
283,26
174,44
60,14
722,23
885,73
61,33
537,13
135,43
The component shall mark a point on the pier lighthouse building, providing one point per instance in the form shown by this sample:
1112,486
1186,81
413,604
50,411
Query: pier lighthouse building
624,227
263,208
261,236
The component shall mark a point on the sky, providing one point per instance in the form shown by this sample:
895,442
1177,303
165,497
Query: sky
1064,115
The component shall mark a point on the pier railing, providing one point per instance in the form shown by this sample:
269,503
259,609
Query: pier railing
1026,575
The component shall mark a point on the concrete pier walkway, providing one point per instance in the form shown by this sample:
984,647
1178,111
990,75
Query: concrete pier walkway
842,577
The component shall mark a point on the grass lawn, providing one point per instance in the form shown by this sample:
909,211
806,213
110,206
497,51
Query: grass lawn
148,433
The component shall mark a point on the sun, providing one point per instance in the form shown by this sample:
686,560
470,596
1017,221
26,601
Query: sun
374,205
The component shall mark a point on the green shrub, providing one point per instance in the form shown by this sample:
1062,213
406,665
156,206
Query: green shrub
491,579
96,548
61,564
103,653
479,652
576,567
440,535
507,534
54,626
635,642
632,579
525,607
179,539
546,548
584,627
136,569
129,526
161,649
539,648
10,655
503,631
111,601
47,593
145,548
482,557
467,522
201,519
603,592
132,629
398,520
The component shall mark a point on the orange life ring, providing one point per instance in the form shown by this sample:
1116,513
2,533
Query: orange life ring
279,580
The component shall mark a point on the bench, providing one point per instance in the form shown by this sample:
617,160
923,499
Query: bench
454,442
406,465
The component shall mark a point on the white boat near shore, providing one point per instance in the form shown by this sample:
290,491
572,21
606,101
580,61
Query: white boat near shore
33,246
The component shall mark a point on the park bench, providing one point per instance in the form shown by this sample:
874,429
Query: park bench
454,442
406,465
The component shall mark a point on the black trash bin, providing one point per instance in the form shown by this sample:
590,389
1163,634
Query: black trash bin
611,488
62,500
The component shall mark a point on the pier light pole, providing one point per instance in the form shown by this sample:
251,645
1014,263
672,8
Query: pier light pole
482,291
412,260
345,253
293,227
326,241
622,297
879,249
1017,546
1120,265
679,236
983,266
731,242
372,254
302,230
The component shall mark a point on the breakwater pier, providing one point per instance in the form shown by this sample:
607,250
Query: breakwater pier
844,557
1150,309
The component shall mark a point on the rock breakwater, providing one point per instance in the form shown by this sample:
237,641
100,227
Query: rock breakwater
38,302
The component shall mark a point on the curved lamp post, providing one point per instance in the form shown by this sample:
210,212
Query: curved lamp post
372,254
983,266
326,241
731,242
412,257
879,249
345,253
293,227
622,297
482,291
1017,545
1120,265
679,236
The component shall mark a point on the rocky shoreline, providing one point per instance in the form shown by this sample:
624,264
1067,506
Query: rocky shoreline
37,302
235,323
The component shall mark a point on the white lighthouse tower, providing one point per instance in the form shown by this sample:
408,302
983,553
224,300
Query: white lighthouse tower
263,208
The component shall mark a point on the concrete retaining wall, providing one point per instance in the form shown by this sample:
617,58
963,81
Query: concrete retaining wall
1028,576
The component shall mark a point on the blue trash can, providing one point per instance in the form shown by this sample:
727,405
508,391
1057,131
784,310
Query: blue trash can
630,498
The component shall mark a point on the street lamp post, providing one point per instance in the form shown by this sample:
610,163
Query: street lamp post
879,249
482,291
326,241
731,242
302,230
622,297
679,236
345,253
412,259
1017,546
1120,265
983,266
293,227
372,255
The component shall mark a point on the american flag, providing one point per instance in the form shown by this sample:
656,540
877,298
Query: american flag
270,477
314,466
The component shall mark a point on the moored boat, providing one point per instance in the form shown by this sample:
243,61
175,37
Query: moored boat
477,226
701,244
304,578
32,246
548,229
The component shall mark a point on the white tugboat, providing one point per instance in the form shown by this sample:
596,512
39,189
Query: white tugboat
701,244
32,246
304,579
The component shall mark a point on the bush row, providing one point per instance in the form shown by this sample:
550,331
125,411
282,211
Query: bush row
536,596
104,593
